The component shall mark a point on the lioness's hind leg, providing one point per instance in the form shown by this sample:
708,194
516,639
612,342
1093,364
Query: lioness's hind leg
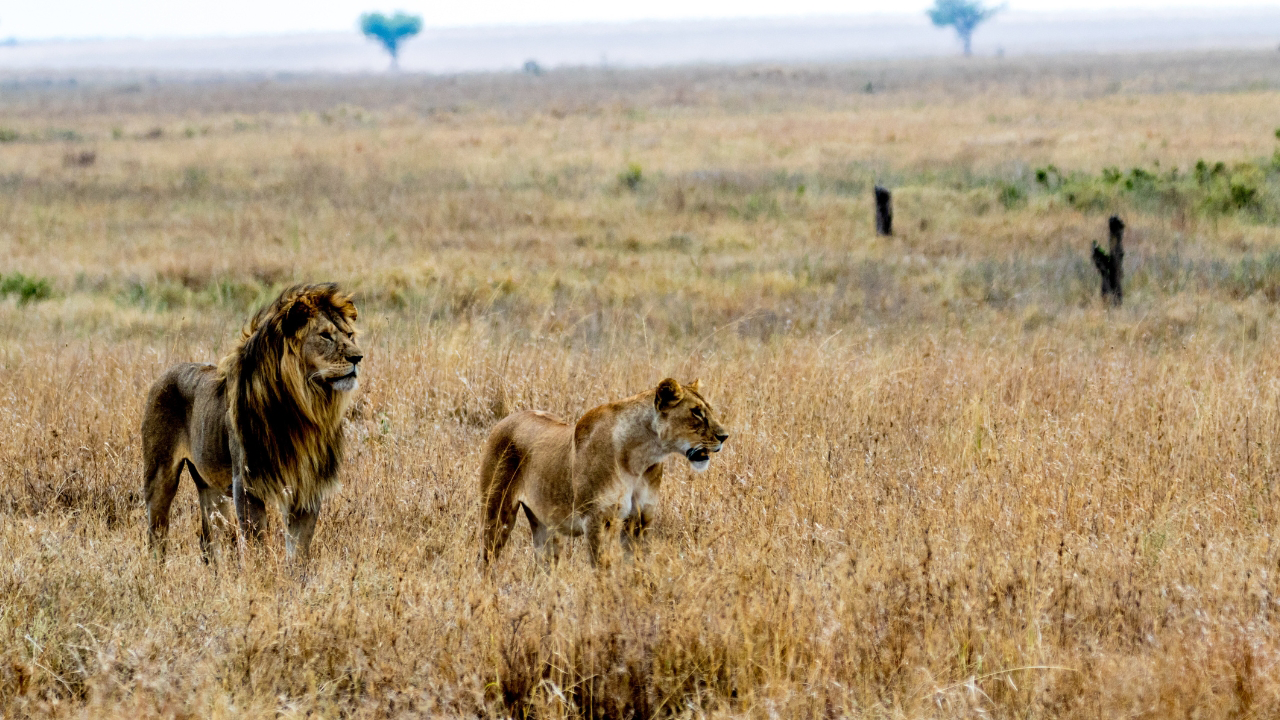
545,542
499,522
499,481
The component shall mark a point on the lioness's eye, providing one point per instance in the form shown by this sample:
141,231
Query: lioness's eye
697,412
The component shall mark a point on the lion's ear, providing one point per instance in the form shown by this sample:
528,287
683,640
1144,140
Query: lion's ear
695,386
295,316
668,396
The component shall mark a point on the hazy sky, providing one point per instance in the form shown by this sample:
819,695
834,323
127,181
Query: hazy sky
40,19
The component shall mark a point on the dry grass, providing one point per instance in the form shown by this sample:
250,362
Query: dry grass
957,485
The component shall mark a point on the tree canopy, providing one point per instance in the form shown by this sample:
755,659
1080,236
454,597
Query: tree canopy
963,15
390,31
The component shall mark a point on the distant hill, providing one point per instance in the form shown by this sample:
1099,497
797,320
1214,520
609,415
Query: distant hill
665,43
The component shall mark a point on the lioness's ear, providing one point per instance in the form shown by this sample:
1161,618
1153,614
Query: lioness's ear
695,386
668,395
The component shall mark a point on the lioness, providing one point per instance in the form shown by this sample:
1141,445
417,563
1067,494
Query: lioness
263,425
583,478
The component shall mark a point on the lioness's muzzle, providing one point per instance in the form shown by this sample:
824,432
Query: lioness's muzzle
697,454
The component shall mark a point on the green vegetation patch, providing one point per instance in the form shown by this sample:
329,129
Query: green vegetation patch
1250,189
28,289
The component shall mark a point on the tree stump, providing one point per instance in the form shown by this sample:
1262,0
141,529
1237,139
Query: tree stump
884,212
1110,264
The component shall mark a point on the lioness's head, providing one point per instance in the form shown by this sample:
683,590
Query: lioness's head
685,421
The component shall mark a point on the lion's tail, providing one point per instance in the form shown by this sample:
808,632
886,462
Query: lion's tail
500,480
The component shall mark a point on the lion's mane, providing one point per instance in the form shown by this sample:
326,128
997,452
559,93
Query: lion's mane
288,427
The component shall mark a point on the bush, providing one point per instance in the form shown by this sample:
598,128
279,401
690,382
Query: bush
28,289
1210,188
632,176
1012,196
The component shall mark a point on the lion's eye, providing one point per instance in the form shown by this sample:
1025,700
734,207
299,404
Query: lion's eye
327,335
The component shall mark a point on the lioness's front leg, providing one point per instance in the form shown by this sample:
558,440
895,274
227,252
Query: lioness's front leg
602,528
644,500
634,528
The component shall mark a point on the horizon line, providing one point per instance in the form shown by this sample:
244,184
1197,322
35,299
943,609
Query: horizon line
872,17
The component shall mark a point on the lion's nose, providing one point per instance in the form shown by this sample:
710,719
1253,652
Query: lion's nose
722,436
355,358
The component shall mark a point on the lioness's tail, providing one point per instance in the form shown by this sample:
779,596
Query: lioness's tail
500,478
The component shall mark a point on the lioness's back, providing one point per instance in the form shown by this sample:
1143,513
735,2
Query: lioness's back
513,441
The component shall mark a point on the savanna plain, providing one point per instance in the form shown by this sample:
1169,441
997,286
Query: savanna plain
958,484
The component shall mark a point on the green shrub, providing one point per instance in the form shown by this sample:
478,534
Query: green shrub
28,289
1210,188
632,176
1012,196
63,135
1049,177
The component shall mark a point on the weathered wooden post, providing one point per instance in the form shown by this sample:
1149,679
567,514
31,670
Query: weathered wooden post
1110,265
884,212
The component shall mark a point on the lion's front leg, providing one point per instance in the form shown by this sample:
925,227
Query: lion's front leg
297,540
215,521
250,510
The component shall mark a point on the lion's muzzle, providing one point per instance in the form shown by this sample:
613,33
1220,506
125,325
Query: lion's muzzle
346,383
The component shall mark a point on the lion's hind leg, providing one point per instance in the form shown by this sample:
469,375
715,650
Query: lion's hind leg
161,473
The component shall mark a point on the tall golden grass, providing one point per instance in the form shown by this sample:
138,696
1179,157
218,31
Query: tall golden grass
957,484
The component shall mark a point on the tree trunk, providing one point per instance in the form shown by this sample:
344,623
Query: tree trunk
884,212
967,38
1110,265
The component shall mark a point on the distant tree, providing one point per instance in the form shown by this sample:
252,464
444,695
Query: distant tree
390,31
963,15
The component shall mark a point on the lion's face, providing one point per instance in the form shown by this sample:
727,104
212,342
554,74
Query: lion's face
330,351
686,422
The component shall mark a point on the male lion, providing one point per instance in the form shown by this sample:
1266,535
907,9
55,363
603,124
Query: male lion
583,478
263,425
